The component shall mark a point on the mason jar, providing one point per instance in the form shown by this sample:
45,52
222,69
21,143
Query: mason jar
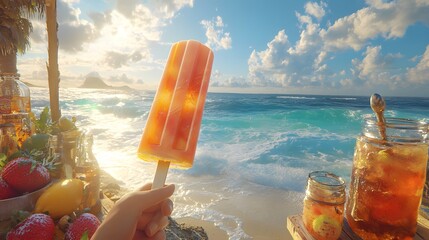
324,205
387,179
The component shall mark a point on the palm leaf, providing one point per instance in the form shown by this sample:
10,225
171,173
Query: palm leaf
14,16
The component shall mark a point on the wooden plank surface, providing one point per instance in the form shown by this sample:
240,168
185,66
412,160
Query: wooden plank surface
297,229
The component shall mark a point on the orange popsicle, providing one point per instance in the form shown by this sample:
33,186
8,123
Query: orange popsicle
173,125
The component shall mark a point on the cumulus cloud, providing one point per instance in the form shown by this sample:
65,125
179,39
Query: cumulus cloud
305,62
170,7
117,59
388,20
315,9
420,73
377,69
216,37
217,79
108,39
74,32
284,64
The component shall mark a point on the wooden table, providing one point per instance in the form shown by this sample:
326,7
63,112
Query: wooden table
296,228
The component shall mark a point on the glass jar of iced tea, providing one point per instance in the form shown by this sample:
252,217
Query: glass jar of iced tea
387,179
324,205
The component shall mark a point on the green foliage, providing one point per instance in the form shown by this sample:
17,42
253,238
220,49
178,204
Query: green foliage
15,26
43,124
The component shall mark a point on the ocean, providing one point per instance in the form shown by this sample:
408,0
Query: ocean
252,148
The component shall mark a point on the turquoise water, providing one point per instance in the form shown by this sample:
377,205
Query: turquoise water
267,140
259,134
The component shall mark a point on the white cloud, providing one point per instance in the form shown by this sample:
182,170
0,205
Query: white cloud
388,20
420,73
170,7
376,69
216,37
113,41
315,9
305,63
373,62
285,65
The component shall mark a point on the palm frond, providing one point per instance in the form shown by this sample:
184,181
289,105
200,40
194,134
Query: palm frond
14,15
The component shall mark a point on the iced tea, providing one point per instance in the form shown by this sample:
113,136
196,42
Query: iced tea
387,183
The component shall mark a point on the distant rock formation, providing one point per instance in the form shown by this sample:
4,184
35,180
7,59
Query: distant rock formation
30,84
95,82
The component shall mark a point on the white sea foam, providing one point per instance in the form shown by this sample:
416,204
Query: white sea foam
296,97
344,98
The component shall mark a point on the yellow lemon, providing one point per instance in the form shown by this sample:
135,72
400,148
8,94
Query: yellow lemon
61,198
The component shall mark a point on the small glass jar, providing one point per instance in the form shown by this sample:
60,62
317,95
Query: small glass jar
387,179
70,150
88,170
324,205
8,140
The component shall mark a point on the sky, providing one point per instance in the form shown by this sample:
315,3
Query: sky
352,47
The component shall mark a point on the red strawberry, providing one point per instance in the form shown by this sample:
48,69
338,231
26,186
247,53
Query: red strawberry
6,191
86,222
36,227
25,175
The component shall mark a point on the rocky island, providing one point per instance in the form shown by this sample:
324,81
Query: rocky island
98,83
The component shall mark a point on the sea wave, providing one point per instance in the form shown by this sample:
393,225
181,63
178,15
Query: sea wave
295,97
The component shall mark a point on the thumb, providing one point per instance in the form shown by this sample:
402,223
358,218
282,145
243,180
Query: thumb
151,198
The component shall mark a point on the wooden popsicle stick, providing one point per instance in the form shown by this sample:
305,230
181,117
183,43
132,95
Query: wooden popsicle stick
160,174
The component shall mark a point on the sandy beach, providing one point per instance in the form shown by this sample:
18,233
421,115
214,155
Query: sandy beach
264,217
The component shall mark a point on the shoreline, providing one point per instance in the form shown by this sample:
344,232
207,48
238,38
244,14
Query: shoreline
178,228
256,221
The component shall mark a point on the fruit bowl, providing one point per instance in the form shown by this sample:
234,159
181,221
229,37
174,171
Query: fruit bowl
25,202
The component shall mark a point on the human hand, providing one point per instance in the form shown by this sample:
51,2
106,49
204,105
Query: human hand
138,215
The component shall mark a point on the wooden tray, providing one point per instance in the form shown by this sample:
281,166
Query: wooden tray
298,231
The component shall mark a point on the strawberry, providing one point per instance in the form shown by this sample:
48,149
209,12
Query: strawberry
86,223
25,174
6,191
36,227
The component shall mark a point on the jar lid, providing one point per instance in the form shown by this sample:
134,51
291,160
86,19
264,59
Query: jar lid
326,179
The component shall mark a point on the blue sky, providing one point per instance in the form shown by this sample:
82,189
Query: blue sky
294,47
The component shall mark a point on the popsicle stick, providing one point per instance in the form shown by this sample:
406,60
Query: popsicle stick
160,174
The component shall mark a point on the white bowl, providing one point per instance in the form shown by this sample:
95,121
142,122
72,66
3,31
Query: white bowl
25,202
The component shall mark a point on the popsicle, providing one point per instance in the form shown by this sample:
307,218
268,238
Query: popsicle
173,125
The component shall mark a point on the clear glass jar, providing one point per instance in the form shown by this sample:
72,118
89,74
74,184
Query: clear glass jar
70,149
387,179
14,95
87,170
8,141
324,205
